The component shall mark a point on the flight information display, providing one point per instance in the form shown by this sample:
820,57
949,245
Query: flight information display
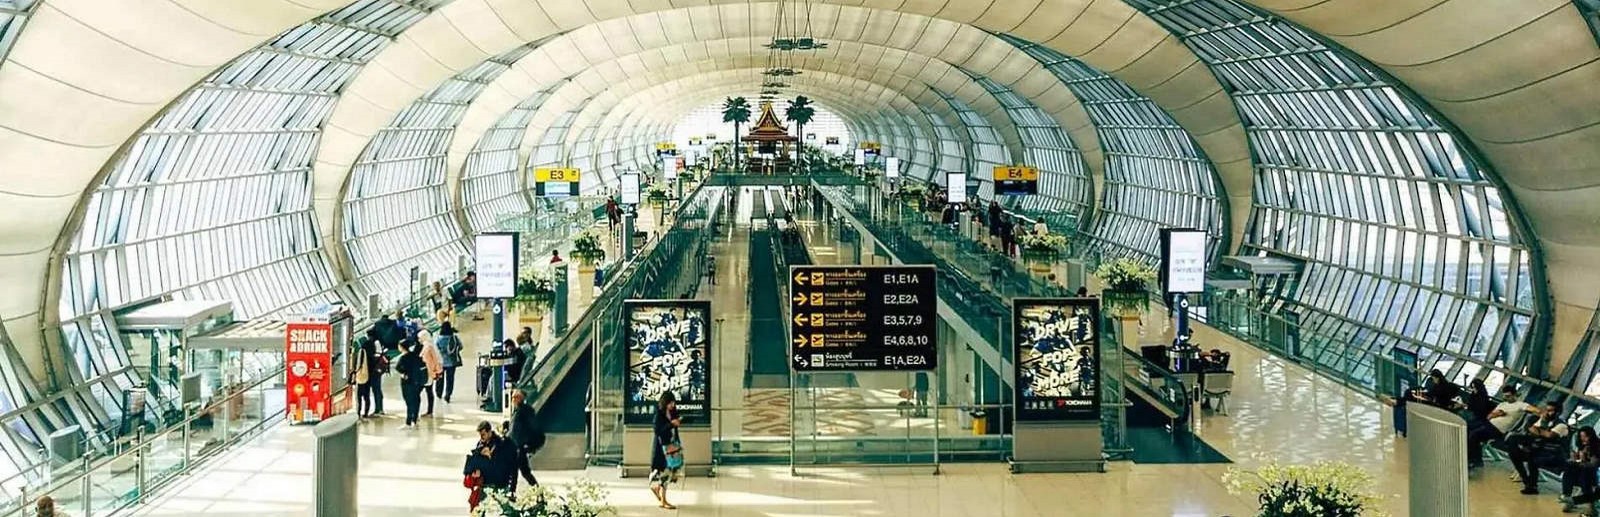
863,318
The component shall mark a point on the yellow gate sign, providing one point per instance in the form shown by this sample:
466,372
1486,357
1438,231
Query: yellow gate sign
1015,180
553,182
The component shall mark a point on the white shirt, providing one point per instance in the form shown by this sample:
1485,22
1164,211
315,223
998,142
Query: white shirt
1513,412
1557,426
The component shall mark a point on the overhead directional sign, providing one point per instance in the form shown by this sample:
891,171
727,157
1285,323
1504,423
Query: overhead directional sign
1016,180
863,318
556,182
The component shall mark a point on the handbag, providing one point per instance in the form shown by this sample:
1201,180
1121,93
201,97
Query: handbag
674,452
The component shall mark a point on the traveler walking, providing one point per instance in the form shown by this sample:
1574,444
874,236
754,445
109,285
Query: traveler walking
613,213
666,457
377,364
434,364
361,377
449,347
526,433
413,376
488,465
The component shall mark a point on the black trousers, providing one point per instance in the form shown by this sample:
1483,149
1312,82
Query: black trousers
1528,464
444,386
1577,476
1477,436
363,399
427,389
377,393
524,457
413,397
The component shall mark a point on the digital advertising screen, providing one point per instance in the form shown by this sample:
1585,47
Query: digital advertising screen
669,349
891,168
495,255
1183,260
1058,358
630,189
955,185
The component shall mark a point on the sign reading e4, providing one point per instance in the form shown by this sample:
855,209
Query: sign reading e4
1004,173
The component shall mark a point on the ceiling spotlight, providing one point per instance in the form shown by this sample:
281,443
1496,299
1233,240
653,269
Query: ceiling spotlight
780,72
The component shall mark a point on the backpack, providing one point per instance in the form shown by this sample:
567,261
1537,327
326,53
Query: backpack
452,348
382,363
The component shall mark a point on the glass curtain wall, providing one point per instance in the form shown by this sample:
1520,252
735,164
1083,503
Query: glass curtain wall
490,184
549,150
988,149
1156,176
13,16
952,149
212,200
1064,185
397,208
1403,237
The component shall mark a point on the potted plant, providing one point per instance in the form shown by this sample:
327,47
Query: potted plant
1322,489
656,194
535,294
912,190
1045,247
582,498
587,249
1125,281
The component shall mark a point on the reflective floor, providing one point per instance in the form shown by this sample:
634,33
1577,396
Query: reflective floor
1277,410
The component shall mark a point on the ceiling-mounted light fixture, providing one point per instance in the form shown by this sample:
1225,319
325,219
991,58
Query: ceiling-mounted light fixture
793,44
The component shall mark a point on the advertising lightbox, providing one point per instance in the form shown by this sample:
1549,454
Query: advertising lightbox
1058,358
669,349
496,257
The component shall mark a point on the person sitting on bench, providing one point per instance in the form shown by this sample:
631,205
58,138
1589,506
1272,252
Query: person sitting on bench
1501,419
1542,445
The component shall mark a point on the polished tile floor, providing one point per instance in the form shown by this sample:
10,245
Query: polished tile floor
1278,410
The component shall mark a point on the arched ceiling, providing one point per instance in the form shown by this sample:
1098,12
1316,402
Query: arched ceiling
1516,78
1109,35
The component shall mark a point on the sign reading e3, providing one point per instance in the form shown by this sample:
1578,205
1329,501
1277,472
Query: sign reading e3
568,175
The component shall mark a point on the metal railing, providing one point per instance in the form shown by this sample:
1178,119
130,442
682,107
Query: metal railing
976,281
98,486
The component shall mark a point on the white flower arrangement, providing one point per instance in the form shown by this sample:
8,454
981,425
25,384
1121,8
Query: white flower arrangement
582,498
1322,489
1046,243
1125,275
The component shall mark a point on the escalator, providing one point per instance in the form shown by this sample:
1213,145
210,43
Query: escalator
668,268
974,286
774,247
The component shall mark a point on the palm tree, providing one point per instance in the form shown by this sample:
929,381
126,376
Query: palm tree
737,111
800,112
